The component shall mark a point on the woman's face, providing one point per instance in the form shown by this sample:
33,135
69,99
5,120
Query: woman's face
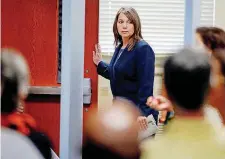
125,27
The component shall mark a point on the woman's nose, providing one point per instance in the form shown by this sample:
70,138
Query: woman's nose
125,25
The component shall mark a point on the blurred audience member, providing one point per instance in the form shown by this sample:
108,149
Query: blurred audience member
16,146
212,39
21,68
218,64
113,133
189,135
208,39
14,89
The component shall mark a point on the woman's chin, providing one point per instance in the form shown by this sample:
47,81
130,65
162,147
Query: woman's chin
125,36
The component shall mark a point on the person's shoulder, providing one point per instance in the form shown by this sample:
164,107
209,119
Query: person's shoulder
23,148
213,116
142,43
142,48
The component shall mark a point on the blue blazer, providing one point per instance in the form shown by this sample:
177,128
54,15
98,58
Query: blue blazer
132,76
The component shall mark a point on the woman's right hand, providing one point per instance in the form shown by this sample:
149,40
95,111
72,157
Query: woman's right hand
97,57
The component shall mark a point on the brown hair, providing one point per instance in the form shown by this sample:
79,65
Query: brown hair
212,37
132,15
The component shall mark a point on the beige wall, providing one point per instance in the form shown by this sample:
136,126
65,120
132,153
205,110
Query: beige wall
220,13
104,91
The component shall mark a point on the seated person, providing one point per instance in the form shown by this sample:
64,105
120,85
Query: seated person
189,135
216,114
112,133
14,72
16,146
208,39
218,64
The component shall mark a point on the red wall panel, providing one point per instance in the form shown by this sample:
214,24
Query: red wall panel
31,27
46,111
91,38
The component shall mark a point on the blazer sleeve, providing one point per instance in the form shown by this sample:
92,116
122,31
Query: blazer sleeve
103,69
145,74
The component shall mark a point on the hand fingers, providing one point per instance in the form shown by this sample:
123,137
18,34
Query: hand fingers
99,55
96,48
152,102
99,48
96,55
93,53
142,127
160,103
166,106
140,123
145,124
163,106
161,99
155,103
162,119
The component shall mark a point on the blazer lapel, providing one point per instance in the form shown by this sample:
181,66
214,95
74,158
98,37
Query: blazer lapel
123,55
113,60
115,55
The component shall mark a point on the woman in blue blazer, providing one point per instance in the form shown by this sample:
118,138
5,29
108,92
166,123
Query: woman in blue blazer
131,70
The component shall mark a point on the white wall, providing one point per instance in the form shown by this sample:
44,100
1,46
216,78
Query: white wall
220,13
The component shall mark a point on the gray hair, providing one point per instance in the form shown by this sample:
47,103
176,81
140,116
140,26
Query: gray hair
15,63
